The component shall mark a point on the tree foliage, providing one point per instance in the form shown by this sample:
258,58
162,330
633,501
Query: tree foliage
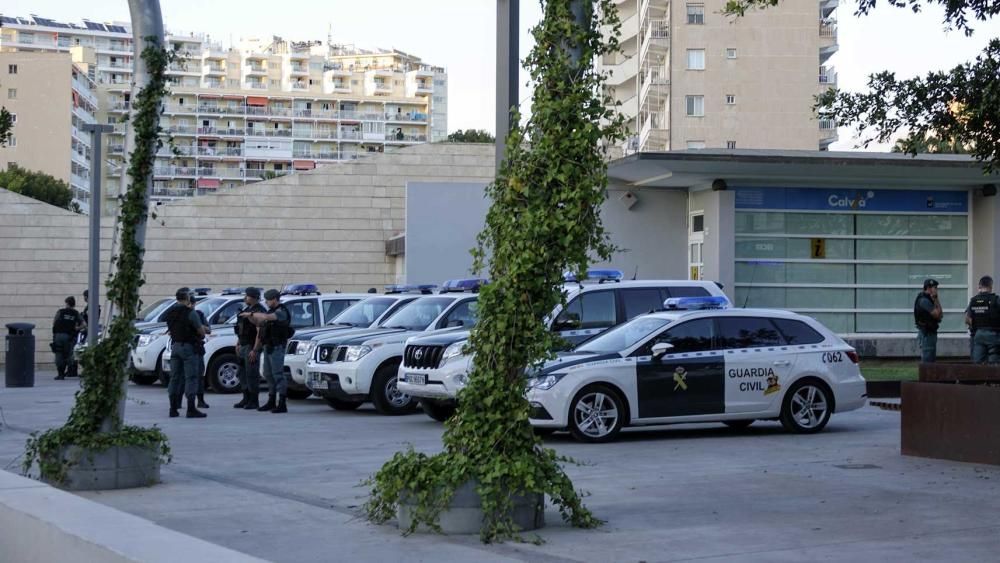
37,185
6,126
544,219
471,136
961,104
916,144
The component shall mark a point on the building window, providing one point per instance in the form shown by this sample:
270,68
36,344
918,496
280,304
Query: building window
13,118
698,223
695,106
696,14
11,93
730,144
696,144
439,82
731,53
12,142
730,99
11,69
696,59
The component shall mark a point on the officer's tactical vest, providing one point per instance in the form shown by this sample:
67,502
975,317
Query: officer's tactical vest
181,331
277,333
923,318
985,311
66,321
246,331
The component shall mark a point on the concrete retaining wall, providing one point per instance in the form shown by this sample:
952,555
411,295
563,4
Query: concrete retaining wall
40,524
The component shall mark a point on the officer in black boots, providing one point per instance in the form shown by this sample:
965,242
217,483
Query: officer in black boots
246,332
275,330
185,330
983,317
65,328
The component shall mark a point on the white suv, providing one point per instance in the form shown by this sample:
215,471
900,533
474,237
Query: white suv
435,369
361,366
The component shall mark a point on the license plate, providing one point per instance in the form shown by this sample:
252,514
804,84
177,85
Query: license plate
416,378
316,381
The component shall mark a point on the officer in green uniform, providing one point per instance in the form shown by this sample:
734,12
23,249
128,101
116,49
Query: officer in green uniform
246,332
185,329
983,317
275,330
927,314
65,328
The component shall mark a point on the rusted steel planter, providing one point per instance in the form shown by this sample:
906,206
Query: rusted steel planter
953,412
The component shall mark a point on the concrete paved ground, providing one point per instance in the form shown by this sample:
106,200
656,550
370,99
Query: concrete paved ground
285,488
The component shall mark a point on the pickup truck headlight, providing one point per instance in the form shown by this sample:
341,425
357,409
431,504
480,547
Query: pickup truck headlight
355,353
145,340
304,348
453,351
545,382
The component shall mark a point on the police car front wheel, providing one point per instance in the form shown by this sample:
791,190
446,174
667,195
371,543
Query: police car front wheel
597,414
807,407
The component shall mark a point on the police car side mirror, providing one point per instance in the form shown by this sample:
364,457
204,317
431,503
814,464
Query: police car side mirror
661,348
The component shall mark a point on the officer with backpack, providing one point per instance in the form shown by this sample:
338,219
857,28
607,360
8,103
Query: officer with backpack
185,329
65,328
927,314
275,328
983,317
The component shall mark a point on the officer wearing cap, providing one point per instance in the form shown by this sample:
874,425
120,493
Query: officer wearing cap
983,319
65,327
185,329
246,333
275,330
927,314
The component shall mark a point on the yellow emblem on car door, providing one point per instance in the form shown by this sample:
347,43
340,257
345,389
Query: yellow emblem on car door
680,378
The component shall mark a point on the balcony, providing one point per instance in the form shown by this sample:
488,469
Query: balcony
256,86
181,129
179,108
170,171
828,29
261,174
624,69
412,116
318,155
405,138
170,152
827,76
340,87
300,86
227,109
254,69
170,192
269,132
222,131
213,69
213,83
222,172
298,69
219,151
116,149
349,135
116,64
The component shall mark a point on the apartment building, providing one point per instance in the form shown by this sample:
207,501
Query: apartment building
259,109
51,96
690,77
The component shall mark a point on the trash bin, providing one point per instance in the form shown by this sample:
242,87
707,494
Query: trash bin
20,348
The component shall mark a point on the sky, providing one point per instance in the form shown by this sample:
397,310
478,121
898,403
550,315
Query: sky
460,35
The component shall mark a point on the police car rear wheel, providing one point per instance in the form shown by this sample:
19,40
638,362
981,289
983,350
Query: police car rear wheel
224,373
596,414
436,410
386,396
806,408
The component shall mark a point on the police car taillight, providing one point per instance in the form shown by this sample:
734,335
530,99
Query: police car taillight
853,356
596,275
696,303
471,285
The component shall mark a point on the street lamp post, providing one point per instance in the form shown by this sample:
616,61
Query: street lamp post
93,293
508,65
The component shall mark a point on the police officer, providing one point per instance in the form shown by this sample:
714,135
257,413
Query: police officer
246,332
983,318
185,329
275,330
199,352
927,314
65,328
86,313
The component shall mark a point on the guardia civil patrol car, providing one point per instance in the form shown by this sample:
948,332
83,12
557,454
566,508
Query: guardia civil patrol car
435,367
697,363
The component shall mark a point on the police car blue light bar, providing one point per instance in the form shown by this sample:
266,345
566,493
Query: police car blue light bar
422,288
300,289
201,290
596,274
695,303
463,285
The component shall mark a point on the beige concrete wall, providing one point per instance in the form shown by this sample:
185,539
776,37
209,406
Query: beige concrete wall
43,107
326,226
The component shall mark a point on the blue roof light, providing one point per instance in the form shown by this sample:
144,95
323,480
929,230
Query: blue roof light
462,285
596,274
300,289
695,303
423,288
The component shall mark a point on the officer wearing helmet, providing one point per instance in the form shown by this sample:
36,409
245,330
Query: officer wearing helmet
246,333
983,318
185,329
275,330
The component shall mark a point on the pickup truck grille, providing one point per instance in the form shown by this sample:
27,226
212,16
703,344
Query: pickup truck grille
422,357
330,353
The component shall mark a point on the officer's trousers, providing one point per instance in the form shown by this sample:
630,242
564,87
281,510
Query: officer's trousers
183,370
251,370
62,346
927,341
274,370
986,346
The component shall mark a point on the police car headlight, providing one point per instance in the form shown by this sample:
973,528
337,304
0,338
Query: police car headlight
545,382
145,340
462,379
355,353
453,351
304,348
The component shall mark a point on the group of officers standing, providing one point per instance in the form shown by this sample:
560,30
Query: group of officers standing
982,316
67,327
263,335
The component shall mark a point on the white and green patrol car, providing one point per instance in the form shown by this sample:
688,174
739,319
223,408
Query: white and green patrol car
707,365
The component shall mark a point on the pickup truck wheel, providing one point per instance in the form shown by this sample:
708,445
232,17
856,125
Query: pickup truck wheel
225,374
343,404
386,396
436,410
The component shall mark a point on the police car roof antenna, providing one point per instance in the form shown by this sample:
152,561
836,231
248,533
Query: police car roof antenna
635,274
753,273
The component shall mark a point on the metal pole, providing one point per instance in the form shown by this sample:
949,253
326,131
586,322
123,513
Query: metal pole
93,292
508,66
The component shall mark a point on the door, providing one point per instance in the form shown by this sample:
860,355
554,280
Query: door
696,244
464,314
689,380
334,307
304,313
758,362
587,314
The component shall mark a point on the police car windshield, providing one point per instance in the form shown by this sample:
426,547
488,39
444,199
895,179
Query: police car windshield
624,336
209,305
420,314
150,313
363,313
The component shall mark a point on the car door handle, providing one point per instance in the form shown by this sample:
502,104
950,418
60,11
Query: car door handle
782,363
